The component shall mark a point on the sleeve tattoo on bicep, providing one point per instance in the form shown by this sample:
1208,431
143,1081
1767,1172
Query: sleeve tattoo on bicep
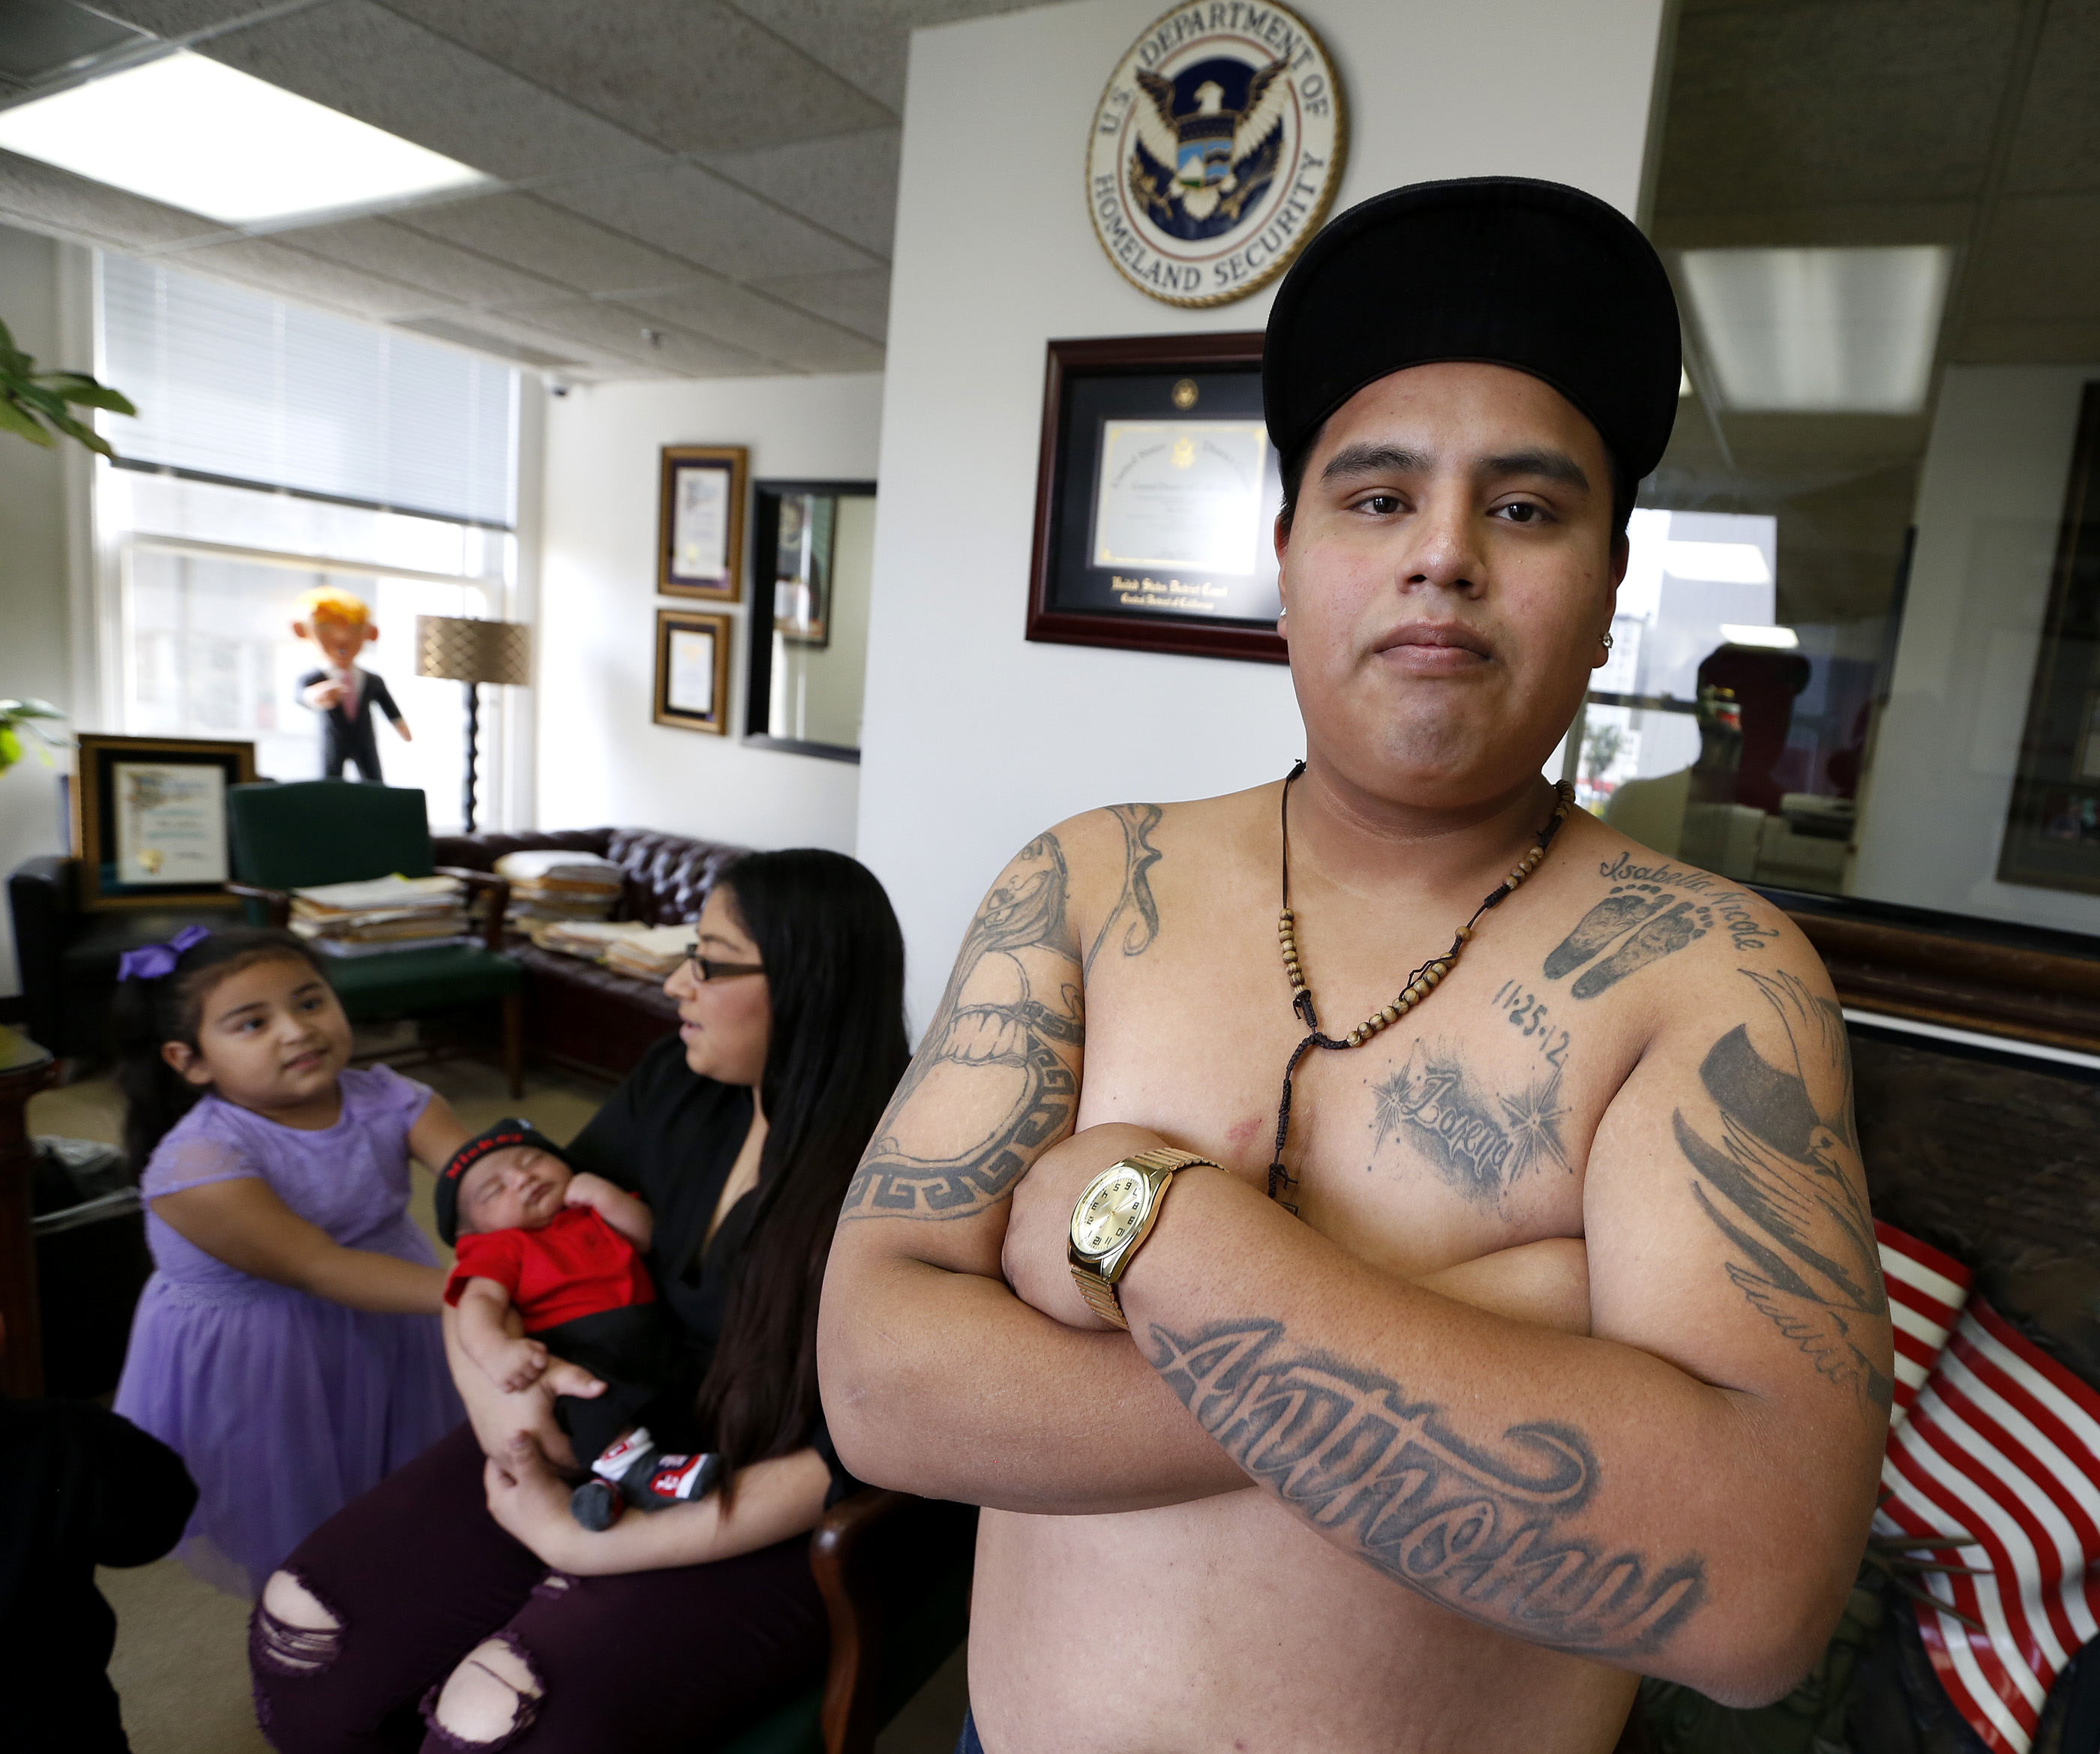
995,1080
1492,1532
1784,1185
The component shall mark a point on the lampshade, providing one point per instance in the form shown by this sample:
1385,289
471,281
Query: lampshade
455,649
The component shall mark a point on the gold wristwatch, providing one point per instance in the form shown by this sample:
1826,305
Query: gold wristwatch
1114,1215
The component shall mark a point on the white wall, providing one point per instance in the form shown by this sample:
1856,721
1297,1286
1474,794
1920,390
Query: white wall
1990,501
43,516
600,760
975,740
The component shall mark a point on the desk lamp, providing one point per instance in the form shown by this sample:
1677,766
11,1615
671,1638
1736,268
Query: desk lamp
457,649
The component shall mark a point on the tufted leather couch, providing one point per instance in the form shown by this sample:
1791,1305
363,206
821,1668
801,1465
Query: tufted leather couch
576,1012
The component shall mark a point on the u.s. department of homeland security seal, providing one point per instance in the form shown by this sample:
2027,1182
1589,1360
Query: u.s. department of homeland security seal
1216,151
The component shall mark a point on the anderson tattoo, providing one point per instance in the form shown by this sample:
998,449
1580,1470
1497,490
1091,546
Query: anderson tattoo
1140,855
1493,1533
1001,1045
1478,1148
1784,1185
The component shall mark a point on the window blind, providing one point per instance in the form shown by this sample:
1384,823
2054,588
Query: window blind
244,387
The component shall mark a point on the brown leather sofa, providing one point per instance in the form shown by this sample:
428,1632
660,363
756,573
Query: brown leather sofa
576,1013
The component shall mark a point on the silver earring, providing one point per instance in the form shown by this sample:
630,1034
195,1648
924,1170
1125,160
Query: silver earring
1606,639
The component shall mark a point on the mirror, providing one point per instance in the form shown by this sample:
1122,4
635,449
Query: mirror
814,554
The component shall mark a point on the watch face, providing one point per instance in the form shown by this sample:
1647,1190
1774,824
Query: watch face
1109,1213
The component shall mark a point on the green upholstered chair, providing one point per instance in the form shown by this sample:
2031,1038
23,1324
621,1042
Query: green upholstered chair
332,830
895,1574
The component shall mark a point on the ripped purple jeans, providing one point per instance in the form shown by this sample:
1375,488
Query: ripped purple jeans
416,1575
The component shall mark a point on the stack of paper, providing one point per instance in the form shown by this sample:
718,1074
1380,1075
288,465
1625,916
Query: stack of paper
650,955
552,883
587,938
385,914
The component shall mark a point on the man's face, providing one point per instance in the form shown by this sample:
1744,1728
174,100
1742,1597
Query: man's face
342,641
1447,578
519,1187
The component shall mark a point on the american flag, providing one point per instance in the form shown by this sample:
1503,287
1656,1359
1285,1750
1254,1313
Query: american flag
2000,1455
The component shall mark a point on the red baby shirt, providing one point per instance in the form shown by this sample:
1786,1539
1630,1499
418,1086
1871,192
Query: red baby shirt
574,1265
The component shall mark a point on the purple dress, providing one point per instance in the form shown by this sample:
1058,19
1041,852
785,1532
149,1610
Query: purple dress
283,1406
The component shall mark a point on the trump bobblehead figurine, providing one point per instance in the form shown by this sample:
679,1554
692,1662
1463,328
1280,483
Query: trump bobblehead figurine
347,698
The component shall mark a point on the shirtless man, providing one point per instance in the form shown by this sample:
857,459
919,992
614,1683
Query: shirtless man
1561,1356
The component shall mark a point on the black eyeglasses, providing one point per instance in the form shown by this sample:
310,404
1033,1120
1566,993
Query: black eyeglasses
704,971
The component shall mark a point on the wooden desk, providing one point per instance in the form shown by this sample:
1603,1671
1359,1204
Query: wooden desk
25,1069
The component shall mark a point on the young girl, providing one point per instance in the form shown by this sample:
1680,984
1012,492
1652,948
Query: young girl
287,1346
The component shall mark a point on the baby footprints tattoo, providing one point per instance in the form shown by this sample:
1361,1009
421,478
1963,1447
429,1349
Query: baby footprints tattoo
1646,921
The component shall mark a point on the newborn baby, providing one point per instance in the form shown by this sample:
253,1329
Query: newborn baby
564,1251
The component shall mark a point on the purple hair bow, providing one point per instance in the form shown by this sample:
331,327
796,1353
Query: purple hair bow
150,961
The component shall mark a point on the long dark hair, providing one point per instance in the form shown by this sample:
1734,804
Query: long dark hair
834,960
145,1013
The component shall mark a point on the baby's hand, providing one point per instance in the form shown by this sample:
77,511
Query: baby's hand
516,1365
587,1190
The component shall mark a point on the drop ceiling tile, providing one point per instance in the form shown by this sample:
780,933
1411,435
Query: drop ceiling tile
2041,262
861,301
685,209
528,233
846,183
1797,106
176,18
868,41
485,341
502,329
290,273
383,247
691,75
615,330
2071,341
724,312
359,58
48,199
2056,145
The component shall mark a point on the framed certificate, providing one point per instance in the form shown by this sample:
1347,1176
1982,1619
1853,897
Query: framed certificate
149,819
699,541
1156,498
692,671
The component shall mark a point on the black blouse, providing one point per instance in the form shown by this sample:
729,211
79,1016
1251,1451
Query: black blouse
671,1137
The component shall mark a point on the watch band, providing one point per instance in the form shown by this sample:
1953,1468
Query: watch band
1099,1289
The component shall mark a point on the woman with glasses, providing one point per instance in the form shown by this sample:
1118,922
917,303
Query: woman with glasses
462,1583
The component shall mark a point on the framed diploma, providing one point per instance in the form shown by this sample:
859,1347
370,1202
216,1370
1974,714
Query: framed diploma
2053,826
1156,496
699,541
692,671
149,819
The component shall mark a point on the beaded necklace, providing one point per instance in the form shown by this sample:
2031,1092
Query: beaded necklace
1420,985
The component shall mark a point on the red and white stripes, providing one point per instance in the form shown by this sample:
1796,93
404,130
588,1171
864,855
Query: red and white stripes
2001,1449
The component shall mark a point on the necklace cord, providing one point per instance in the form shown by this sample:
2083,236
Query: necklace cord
1417,987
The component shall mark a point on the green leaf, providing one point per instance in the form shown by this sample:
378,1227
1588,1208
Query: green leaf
76,386
14,418
87,435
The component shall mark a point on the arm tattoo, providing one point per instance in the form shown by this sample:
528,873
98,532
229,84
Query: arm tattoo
1784,1187
1492,1533
1136,820
1002,1050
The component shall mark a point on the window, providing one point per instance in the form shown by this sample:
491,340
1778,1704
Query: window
277,451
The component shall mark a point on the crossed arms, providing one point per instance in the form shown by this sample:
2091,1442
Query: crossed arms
1683,1489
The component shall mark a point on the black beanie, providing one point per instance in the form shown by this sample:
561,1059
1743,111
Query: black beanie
502,1136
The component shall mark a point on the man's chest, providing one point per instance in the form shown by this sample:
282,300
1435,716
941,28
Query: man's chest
1461,1128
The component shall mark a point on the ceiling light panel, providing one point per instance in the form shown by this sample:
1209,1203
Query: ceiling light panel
186,131
1821,330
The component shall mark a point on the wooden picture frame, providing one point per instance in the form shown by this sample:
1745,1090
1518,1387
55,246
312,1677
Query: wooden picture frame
149,822
699,521
692,682
2052,839
1140,397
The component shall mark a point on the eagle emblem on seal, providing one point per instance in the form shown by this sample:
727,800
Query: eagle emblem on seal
1199,159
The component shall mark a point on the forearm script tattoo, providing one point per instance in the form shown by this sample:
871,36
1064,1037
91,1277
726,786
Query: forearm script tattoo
1784,1185
1494,1533
996,1080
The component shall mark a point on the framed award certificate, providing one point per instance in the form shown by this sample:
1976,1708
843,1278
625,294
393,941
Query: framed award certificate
692,671
149,819
700,539
1156,498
